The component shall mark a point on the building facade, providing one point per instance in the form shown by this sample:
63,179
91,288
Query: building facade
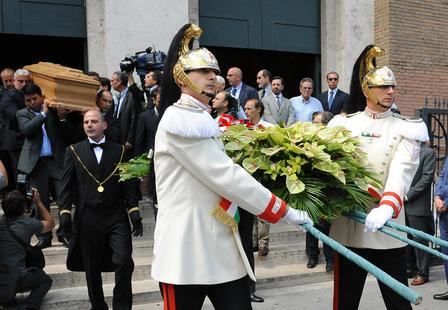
291,38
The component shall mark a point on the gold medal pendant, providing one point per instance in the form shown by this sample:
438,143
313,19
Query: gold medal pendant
100,189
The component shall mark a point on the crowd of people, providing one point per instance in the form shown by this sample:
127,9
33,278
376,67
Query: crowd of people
71,158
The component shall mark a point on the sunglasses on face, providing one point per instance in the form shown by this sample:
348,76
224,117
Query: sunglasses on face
333,79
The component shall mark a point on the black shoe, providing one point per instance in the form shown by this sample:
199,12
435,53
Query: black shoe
43,244
263,250
255,298
312,262
411,273
441,296
330,266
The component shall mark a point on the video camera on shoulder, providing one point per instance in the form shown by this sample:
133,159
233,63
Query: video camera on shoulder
143,62
24,187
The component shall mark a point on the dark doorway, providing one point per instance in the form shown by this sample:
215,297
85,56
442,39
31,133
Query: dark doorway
291,66
21,50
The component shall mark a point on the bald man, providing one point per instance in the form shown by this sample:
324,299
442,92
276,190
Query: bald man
239,90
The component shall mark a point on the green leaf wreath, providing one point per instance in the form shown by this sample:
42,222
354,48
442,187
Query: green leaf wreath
314,168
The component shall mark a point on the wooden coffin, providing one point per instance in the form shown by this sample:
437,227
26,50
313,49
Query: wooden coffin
64,86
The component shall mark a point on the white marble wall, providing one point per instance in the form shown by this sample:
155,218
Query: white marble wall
347,26
116,28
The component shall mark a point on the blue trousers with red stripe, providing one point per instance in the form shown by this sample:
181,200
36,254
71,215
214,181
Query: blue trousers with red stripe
349,279
224,296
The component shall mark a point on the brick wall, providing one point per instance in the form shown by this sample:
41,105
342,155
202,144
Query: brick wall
415,36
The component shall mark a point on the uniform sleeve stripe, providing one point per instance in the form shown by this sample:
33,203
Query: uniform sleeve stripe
374,192
396,196
393,199
274,210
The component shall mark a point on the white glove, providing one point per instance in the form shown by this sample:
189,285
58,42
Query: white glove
297,217
378,217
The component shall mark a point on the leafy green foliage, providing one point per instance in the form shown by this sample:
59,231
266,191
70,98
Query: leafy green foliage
314,168
137,167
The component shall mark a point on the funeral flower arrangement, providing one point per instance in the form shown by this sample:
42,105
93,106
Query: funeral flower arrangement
313,168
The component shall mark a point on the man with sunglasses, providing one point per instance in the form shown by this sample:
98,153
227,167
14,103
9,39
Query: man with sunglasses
334,99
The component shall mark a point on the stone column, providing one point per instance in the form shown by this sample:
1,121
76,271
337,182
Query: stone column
346,28
117,28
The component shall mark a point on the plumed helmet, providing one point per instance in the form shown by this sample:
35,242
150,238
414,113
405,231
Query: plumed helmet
181,59
194,59
366,74
375,76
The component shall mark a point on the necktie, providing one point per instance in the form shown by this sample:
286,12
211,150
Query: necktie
233,93
94,145
330,100
278,101
117,108
263,93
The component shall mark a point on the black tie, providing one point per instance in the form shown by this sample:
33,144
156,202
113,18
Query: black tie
94,145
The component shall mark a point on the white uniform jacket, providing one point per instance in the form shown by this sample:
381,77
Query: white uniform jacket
391,142
192,174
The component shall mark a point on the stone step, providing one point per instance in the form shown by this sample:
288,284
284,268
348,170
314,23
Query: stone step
279,256
147,291
57,254
76,298
63,278
279,234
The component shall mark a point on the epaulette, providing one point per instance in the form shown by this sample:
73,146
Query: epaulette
413,128
353,114
189,122
408,118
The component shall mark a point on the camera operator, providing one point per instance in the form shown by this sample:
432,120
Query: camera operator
14,254
152,81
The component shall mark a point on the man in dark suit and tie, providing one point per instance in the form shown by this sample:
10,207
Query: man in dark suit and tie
239,90
334,100
126,110
12,138
101,235
42,155
417,205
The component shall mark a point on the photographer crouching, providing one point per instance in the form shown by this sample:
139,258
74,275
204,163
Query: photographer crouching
15,224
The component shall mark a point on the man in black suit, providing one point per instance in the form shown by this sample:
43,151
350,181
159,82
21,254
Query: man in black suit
239,90
126,111
101,235
42,155
334,100
417,205
12,138
147,126
104,100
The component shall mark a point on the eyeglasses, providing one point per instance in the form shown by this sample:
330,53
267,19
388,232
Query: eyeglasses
333,79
